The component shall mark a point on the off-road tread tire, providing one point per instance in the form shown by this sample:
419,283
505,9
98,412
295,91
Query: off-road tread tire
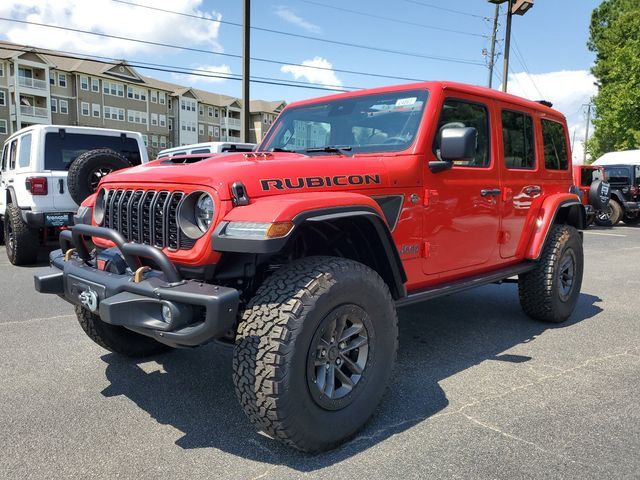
117,339
536,288
272,319
82,166
26,240
1,232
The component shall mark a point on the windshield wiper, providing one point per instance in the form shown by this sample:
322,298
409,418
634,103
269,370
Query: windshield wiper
330,149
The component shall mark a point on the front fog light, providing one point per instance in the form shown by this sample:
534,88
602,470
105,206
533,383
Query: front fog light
167,314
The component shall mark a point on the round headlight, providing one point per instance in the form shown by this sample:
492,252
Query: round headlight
204,211
195,214
100,206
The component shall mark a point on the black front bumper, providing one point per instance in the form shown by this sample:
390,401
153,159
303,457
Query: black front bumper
199,312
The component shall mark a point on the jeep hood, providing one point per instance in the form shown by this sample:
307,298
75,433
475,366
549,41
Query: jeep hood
273,174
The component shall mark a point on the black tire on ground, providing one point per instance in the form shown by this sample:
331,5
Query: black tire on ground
1,232
308,329
86,171
22,242
610,216
631,219
549,293
117,339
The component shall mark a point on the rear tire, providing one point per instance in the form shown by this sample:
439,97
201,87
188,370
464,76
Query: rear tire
286,385
610,216
117,339
549,293
22,242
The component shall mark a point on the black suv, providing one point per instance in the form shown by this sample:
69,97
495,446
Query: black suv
625,195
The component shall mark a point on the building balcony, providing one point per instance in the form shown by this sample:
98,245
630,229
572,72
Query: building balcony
37,112
230,122
32,83
230,138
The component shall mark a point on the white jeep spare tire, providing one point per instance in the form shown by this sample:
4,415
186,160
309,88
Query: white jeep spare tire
88,169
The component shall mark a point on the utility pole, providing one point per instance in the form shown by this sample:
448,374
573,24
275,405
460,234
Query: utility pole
507,47
246,63
586,133
492,54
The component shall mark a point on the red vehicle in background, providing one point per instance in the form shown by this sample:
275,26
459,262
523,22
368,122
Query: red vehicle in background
595,192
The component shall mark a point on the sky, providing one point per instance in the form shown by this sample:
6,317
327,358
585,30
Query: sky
410,39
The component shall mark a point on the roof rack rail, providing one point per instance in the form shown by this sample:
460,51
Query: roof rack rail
546,103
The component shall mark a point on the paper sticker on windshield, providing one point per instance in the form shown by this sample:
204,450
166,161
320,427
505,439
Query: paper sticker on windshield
405,102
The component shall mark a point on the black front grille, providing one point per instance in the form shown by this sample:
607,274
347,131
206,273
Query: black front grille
149,217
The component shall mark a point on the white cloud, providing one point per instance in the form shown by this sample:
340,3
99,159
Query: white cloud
326,76
567,90
221,72
290,16
105,16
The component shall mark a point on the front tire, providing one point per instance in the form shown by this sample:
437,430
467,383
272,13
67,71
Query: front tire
22,242
549,292
117,339
314,351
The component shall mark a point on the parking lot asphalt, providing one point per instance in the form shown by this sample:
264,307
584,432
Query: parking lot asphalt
479,391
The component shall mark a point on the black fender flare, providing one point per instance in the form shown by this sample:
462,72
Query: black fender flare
394,274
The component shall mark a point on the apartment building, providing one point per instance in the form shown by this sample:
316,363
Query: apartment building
39,86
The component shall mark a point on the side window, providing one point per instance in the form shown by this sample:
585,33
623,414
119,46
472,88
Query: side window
5,155
12,154
555,146
25,151
460,113
517,138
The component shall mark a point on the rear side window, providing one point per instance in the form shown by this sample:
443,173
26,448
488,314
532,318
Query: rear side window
25,151
5,156
618,174
588,176
460,114
62,149
201,150
555,146
517,138
13,151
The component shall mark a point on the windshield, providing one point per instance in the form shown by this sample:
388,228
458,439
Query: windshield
386,122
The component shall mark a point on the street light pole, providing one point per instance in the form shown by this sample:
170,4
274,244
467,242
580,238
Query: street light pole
507,46
246,61
586,133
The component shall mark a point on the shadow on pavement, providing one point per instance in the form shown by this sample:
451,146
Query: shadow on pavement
192,389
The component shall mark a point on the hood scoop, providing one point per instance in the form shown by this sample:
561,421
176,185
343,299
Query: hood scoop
185,159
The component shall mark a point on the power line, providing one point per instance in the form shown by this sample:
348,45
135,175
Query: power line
317,39
186,71
450,10
198,50
522,61
388,19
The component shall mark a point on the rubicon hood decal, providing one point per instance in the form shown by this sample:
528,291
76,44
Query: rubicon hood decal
318,182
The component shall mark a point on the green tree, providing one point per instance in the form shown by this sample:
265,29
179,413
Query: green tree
615,38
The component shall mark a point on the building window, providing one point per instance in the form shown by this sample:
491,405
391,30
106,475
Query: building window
216,113
3,100
145,139
216,132
154,141
210,130
154,119
113,88
54,105
170,124
95,110
84,109
95,85
52,80
162,98
163,142
62,81
169,104
3,127
201,129
201,110
183,105
64,107
137,117
163,120
84,82
114,113
154,96
183,125
137,93
1,69
210,111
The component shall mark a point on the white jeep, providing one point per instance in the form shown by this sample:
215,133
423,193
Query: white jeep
47,171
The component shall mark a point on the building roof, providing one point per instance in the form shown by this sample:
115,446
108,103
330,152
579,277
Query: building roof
124,71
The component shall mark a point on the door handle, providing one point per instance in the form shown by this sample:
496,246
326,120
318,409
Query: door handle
533,190
488,192
61,186
10,180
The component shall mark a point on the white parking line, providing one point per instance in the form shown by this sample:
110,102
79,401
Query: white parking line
605,234
57,317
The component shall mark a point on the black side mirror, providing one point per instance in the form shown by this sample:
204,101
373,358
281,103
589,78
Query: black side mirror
458,143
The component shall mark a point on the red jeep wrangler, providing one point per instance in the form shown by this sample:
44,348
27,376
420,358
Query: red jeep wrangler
594,191
353,205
